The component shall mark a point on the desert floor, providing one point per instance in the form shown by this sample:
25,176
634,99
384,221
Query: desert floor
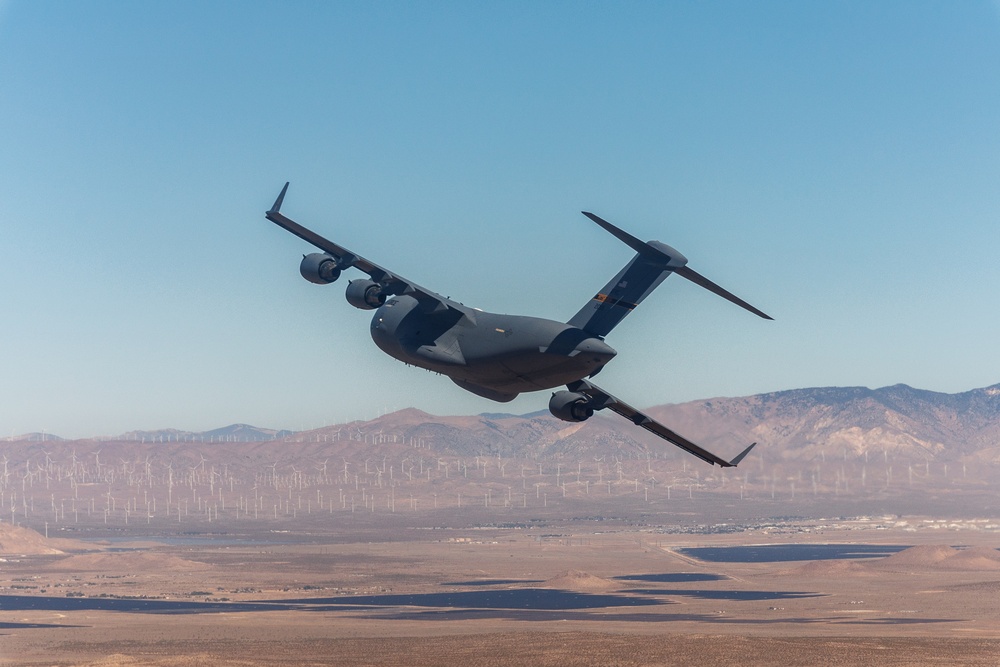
574,595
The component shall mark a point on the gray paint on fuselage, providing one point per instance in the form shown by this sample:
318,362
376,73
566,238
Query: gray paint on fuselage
503,355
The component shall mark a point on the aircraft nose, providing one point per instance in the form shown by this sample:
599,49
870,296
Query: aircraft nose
596,350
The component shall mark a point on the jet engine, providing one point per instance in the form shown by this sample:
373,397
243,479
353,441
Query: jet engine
570,406
365,294
319,268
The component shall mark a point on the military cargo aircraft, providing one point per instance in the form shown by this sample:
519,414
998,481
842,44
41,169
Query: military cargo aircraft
500,356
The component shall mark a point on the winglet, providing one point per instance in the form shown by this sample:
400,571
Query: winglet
739,457
277,202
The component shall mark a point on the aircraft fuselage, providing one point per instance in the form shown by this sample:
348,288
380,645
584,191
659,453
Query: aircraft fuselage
496,356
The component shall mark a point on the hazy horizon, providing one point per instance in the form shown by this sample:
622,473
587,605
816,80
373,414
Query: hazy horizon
369,418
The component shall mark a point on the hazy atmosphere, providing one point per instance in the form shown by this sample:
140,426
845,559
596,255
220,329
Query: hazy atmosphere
834,164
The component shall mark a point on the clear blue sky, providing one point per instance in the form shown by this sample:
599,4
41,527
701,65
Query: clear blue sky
836,164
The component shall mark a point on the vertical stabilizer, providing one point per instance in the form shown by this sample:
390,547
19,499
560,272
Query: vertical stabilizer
620,296
651,265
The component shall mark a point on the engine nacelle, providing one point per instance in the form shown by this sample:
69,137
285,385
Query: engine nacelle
570,406
365,294
319,268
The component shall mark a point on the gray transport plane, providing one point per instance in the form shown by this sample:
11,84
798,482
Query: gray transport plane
500,356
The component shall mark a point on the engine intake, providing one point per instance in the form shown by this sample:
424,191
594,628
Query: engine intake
570,406
319,268
365,294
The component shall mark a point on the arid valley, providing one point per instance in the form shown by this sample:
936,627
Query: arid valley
417,540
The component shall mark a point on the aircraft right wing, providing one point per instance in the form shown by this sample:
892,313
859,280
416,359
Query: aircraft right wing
600,399
392,283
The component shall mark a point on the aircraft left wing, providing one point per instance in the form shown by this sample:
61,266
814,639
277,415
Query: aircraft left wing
601,399
392,283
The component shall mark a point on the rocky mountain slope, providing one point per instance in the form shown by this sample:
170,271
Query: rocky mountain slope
852,422
795,425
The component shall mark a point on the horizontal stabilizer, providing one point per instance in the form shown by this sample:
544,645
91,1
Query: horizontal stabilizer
702,281
640,247
654,262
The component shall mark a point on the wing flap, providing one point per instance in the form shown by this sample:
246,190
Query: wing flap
601,399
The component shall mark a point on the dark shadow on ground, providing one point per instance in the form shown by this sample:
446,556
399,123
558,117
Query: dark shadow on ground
673,577
526,598
545,605
898,621
20,626
133,606
779,553
736,596
521,598
532,615
491,582
629,617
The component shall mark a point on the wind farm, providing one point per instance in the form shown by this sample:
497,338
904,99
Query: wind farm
410,535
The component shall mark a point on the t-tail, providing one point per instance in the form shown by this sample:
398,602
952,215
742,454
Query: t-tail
653,262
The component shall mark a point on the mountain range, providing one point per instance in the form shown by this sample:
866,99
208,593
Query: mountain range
855,421
799,424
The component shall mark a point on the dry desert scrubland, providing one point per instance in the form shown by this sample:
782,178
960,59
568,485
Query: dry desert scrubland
379,591
384,551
